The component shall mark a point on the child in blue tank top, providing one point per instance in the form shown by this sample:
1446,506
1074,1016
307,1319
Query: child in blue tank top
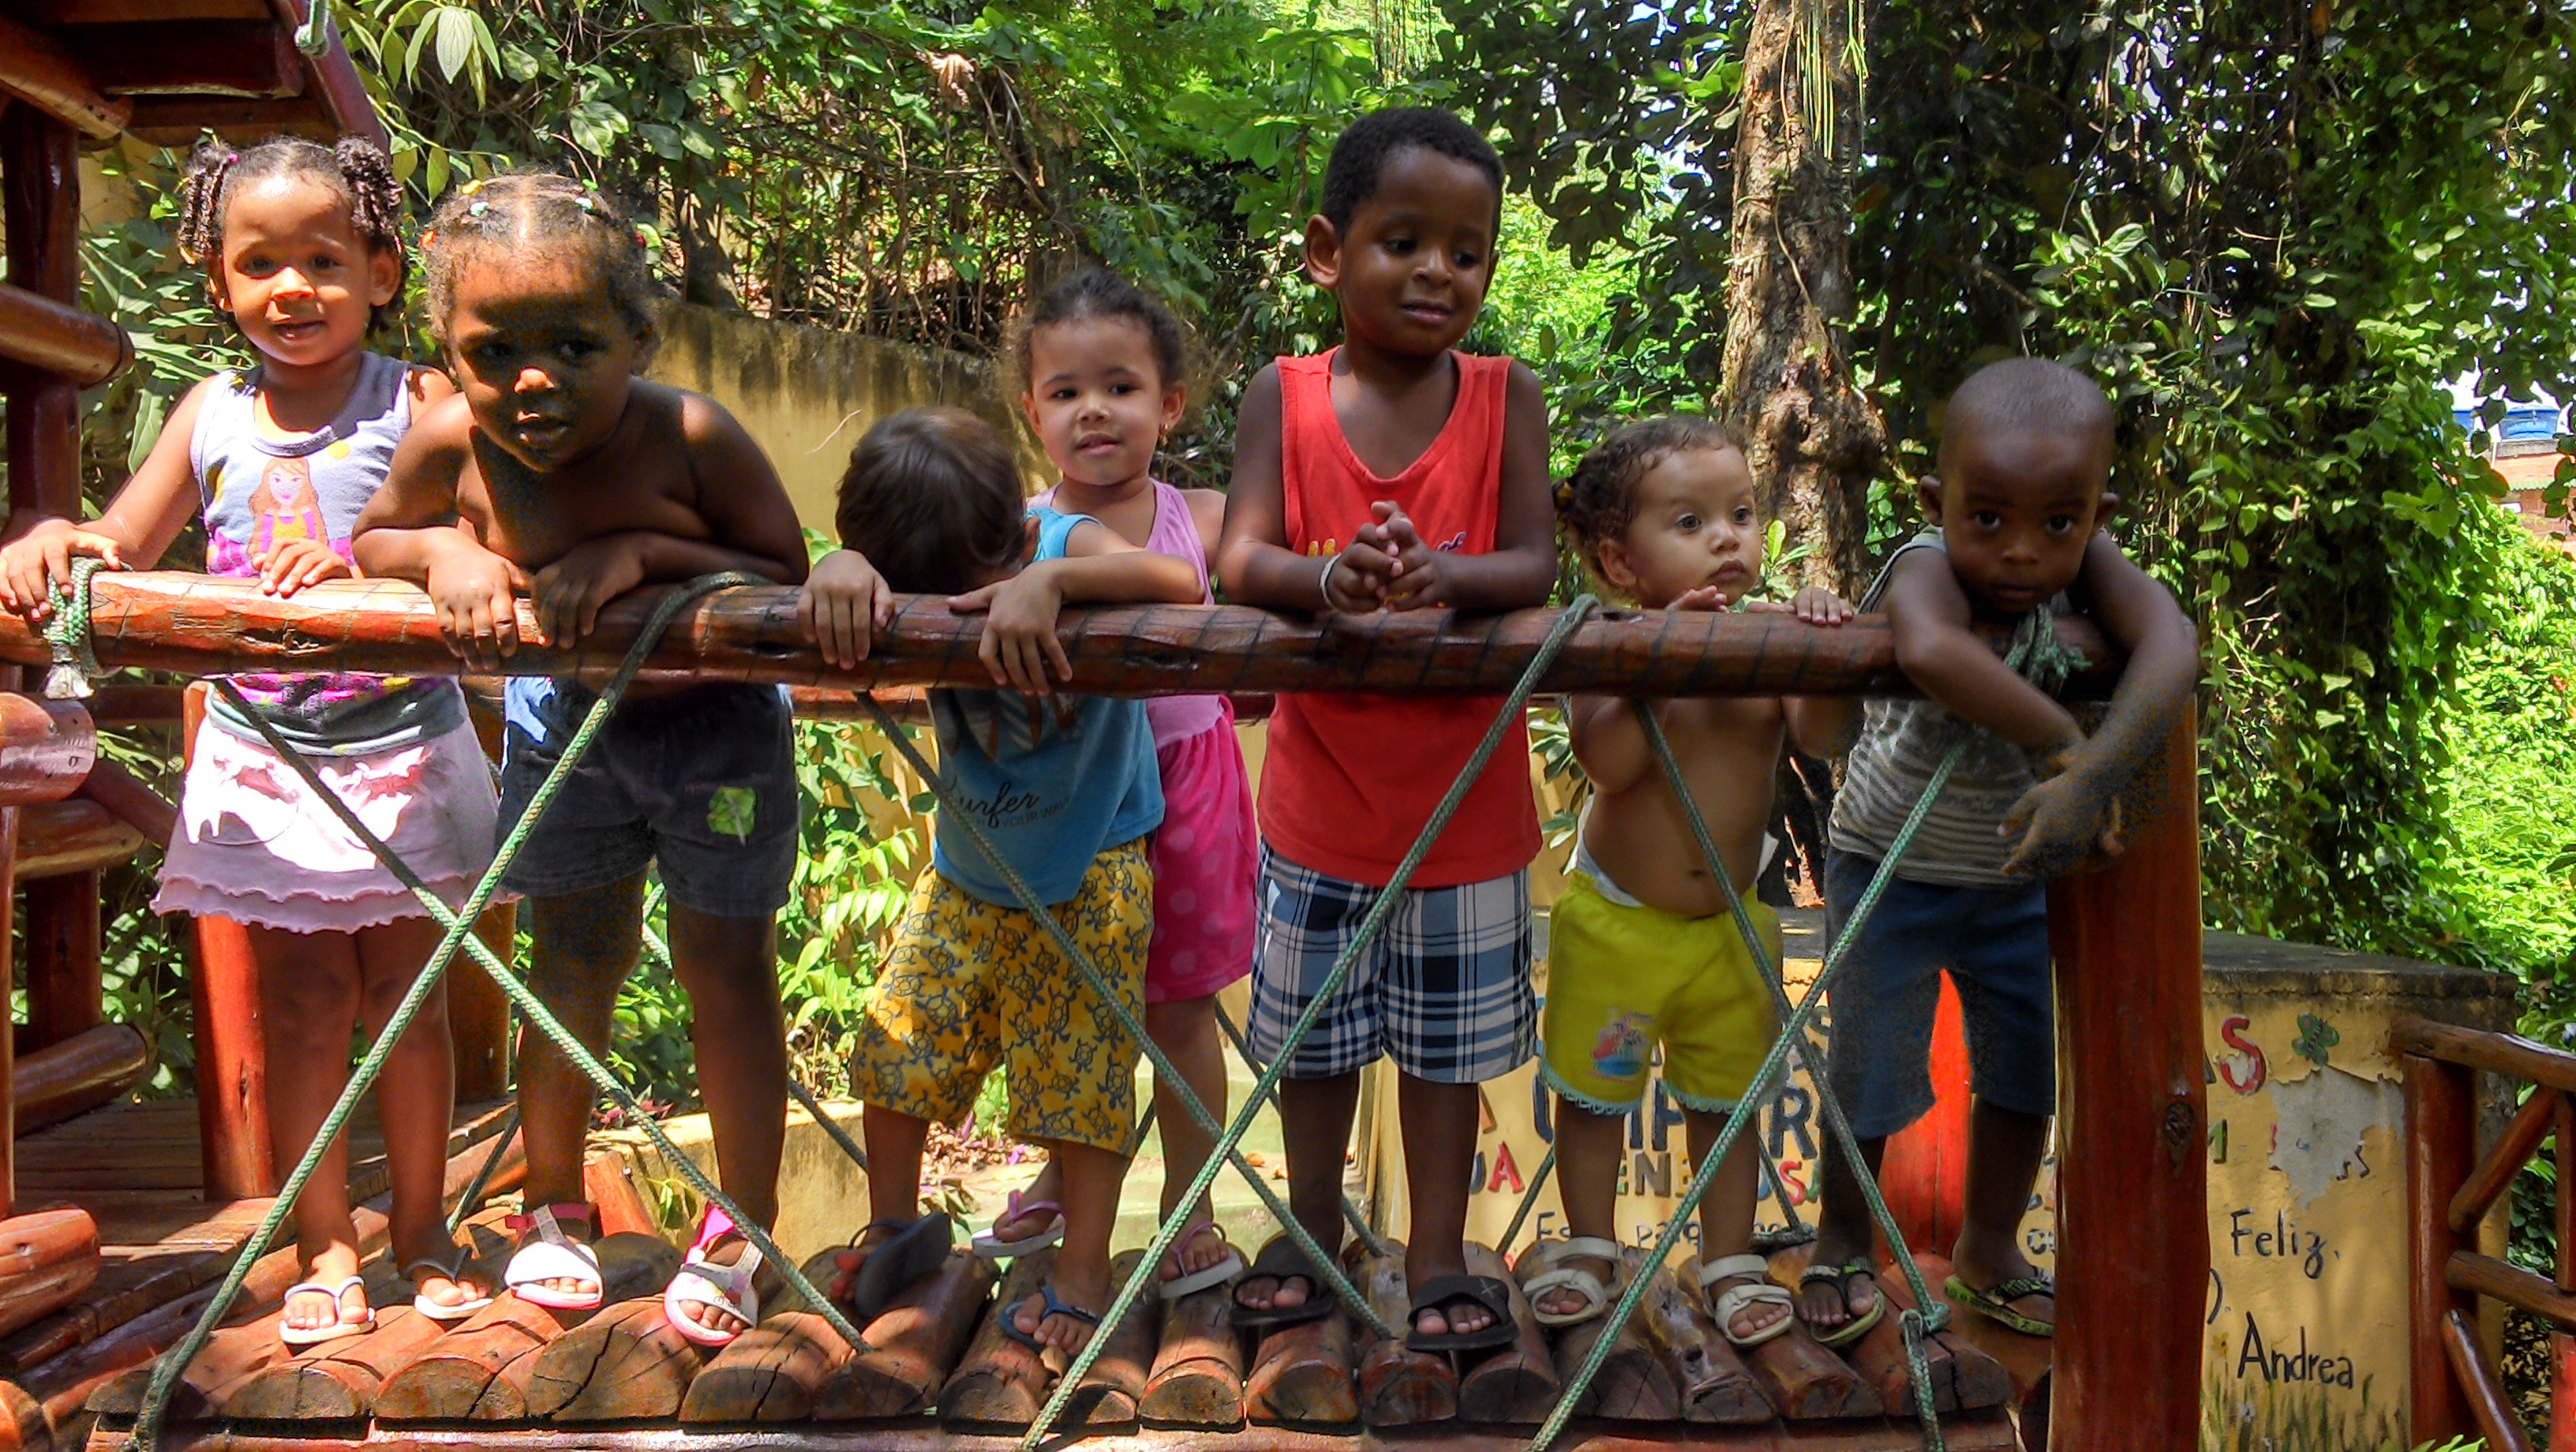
1067,790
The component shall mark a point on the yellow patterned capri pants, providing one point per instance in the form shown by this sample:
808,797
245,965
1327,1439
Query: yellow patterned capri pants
969,985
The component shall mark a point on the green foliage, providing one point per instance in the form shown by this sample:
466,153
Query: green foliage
2273,241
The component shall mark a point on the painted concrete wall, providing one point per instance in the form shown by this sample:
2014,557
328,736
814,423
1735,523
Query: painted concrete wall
808,394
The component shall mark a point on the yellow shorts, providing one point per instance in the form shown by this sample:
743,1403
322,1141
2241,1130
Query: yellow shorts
1621,980
969,985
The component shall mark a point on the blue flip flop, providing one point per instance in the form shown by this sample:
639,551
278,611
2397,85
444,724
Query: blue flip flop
1046,1295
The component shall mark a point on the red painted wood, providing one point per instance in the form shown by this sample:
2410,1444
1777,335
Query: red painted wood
2441,1142
2562,1347
1925,1172
232,1058
8,976
2133,1199
47,749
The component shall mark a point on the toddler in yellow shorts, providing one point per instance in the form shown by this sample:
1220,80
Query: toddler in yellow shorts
1064,791
1642,949
970,985
1623,977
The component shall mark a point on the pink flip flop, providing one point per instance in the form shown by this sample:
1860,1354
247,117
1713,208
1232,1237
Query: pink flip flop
993,1246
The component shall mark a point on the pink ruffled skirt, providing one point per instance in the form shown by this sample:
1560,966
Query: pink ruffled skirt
255,844
1207,860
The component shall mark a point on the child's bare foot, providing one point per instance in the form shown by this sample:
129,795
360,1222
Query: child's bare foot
1832,1296
1059,1316
1456,1316
434,1265
726,1250
313,1309
1202,1247
1989,1273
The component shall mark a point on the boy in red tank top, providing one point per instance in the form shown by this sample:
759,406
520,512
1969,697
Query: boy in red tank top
1393,473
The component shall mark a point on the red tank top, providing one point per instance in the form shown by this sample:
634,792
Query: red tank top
1351,779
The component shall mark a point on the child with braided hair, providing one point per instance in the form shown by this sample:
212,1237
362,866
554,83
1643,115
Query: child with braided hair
300,246
557,472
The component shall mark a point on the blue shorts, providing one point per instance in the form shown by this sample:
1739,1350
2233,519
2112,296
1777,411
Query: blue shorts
1993,941
1444,988
702,781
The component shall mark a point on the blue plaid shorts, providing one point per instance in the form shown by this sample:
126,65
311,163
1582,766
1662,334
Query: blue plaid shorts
1444,988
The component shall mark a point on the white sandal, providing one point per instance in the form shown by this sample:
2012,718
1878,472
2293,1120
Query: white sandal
1188,1282
452,1269
553,1256
1546,1258
1734,1299
300,1337
724,1288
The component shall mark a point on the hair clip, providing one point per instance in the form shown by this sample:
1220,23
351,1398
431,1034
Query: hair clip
476,209
470,188
583,202
428,236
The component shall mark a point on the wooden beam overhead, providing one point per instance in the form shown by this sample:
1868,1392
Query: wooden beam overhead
192,57
116,12
38,71
176,120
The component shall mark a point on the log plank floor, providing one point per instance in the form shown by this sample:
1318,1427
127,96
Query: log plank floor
621,1380
162,1248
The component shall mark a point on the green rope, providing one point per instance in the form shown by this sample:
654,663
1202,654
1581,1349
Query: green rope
459,934
1350,1212
473,1192
75,662
1231,1137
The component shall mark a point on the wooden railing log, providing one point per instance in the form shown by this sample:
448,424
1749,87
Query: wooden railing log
1115,1385
999,1382
2522,1135
771,1374
47,1258
1301,1376
75,1076
198,625
2497,1420
36,69
626,1364
1197,1380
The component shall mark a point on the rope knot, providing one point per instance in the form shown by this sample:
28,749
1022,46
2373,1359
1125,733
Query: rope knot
75,661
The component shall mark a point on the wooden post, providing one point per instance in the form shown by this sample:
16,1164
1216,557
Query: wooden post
64,989
2562,1347
232,1059
2133,1197
2441,1150
8,979
42,185
478,1012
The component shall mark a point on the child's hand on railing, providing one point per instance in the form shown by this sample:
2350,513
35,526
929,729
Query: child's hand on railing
1019,644
2068,819
842,605
297,563
40,562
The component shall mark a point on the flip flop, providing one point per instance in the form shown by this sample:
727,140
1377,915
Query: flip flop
1052,1307
452,1268
1279,1260
1728,1303
919,1246
1542,1269
991,1245
1857,1327
726,1288
1995,1301
1186,1282
300,1338
1485,1291
553,1256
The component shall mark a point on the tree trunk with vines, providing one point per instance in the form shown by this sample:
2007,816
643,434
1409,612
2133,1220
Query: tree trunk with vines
1814,442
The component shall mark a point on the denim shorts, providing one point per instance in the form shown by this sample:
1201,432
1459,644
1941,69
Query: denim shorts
702,782
1444,988
1994,943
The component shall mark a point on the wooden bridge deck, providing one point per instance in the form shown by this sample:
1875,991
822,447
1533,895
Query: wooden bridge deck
939,1377
134,1168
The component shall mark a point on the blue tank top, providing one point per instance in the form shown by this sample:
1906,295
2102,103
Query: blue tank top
1052,782
260,492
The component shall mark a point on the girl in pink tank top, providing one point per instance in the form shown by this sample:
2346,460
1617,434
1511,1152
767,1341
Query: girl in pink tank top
1104,368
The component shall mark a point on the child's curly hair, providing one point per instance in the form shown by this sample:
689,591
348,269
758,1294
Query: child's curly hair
545,211
1097,292
352,169
1598,500
932,497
